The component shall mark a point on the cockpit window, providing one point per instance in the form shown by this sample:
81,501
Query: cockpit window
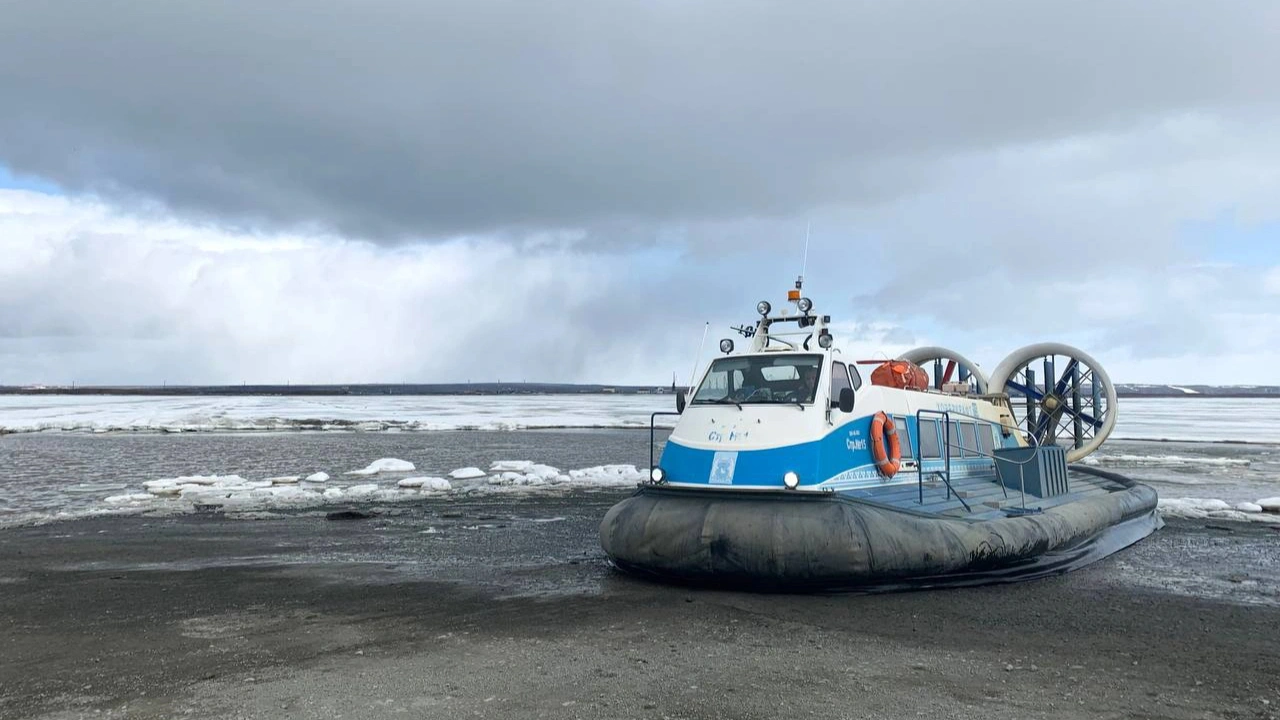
760,379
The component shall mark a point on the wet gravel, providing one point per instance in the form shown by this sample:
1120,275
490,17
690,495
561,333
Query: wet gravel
489,607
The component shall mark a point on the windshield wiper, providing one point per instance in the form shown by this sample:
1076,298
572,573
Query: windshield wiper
727,401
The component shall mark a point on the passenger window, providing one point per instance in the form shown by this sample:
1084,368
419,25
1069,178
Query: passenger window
839,381
986,440
855,377
956,444
904,435
969,438
930,448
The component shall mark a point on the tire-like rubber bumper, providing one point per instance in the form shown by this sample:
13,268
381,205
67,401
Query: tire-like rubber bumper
806,542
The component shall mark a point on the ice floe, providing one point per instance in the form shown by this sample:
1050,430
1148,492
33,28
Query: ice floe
130,498
385,465
1201,508
1164,460
235,493
426,483
318,477
1271,504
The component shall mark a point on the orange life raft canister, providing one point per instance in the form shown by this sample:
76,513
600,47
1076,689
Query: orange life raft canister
902,374
881,429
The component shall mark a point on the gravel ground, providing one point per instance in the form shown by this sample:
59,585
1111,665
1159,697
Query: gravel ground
503,609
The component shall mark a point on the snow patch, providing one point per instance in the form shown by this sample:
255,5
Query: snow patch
530,474
233,493
609,475
385,465
511,466
426,483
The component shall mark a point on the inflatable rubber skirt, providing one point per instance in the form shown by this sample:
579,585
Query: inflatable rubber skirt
811,541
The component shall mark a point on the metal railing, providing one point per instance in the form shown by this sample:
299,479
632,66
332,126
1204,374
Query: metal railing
945,475
947,445
652,417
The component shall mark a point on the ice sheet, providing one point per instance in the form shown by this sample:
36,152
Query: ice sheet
120,413
1102,457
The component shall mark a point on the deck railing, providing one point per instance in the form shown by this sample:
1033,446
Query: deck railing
652,418
947,445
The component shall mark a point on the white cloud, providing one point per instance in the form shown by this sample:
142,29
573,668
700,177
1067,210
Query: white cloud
1272,281
92,295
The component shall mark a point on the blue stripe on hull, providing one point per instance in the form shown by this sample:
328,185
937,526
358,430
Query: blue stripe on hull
841,460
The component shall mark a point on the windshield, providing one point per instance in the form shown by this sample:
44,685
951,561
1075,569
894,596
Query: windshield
760,379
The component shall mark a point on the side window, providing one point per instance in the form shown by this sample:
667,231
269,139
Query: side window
855,377
929,445
904,436
839,381
986,439
969,439
954,441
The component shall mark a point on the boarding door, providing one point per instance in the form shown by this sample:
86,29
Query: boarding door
839,381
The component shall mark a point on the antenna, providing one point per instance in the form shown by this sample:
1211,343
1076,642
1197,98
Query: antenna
698,357
804,264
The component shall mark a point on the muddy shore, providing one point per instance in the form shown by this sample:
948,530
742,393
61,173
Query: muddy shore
492,608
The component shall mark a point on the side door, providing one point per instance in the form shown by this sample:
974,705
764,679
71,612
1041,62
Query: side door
839,381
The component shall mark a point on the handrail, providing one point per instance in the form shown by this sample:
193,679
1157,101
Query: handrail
945,475
1022,480
652,417
946,481
946,422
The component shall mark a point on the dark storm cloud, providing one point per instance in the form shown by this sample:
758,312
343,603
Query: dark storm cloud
395,119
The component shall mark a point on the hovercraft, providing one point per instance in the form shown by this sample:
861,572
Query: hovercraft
786,470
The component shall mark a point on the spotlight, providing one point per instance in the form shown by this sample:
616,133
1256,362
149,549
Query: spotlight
791,480
763,307
805,305
726,346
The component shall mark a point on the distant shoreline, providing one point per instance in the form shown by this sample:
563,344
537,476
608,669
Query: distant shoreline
347,390
412,389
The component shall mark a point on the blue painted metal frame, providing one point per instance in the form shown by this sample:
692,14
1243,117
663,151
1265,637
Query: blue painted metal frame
1034,394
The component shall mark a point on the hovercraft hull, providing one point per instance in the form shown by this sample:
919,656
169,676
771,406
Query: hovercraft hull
828,541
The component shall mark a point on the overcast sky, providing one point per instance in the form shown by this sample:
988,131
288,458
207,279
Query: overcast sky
405,190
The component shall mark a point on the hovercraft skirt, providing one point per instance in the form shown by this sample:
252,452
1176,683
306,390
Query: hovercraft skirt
827,542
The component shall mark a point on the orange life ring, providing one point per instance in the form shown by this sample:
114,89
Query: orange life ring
886,462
